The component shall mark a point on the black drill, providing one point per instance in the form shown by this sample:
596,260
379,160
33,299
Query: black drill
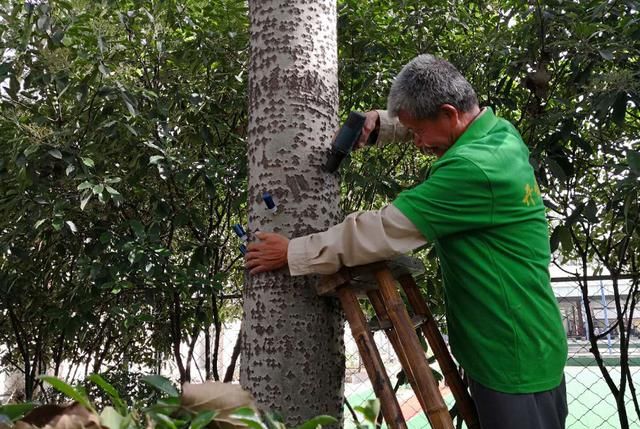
347,136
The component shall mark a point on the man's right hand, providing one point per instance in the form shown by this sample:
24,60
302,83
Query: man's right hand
371,123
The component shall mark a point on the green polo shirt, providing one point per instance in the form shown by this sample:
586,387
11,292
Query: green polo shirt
481,207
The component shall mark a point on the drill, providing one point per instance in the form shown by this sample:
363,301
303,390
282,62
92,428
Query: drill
347,136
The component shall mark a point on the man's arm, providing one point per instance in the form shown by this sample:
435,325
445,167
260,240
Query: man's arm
363,237
389,129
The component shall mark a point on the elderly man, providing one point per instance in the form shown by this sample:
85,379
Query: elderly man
481,208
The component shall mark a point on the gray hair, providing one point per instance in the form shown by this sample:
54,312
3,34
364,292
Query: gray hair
425,84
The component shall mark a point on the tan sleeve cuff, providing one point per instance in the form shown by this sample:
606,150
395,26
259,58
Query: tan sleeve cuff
298,256
391,129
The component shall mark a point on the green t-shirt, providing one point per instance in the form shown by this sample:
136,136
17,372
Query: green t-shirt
481,207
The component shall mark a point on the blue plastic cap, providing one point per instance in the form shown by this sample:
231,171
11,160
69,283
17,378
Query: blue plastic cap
268,200
237,228
243,249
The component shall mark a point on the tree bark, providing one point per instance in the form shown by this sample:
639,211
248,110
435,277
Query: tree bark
292,348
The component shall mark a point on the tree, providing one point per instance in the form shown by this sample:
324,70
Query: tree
121,125
292,357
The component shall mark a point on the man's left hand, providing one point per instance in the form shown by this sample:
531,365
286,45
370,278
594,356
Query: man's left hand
268,254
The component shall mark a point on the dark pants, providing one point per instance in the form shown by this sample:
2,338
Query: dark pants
542,410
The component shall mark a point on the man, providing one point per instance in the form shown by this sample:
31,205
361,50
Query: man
481,207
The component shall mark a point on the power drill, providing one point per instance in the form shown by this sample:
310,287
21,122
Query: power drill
347,136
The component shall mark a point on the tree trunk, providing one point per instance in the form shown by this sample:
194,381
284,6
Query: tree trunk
292,348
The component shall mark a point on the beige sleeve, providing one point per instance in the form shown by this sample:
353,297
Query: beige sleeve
362,238
391,130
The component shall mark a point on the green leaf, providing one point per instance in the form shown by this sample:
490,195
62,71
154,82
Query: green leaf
14,87
167,405
164,421
254,423
72,226
55,153
88,162
633,157
370,410
5,70
44,22
111,190
129,103
57,224
161,383
557,170
244,412
620,108
155,159
318,421
606,54
134,256
97,189
16,411
85,199
565,238
436,375
202,419
67,390
138,228
117,199
628,202
209,185
591,211
109,390
85,185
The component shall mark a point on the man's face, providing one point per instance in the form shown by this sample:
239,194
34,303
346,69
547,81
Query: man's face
433,136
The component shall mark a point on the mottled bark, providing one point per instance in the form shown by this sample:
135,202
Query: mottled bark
292,349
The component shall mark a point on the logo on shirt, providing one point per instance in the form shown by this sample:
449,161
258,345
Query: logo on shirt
530,194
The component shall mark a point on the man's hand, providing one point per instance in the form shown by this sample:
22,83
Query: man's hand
371,123
268,254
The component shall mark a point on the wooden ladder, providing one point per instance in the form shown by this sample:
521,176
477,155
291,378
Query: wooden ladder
377,282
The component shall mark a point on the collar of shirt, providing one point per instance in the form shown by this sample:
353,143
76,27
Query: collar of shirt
480,126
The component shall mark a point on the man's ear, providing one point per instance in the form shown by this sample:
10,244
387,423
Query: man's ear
451,113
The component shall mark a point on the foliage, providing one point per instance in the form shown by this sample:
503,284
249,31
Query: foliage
212,405
122,169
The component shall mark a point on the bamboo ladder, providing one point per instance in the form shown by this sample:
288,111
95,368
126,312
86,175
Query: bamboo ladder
377,282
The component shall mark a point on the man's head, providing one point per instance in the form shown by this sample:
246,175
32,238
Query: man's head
434,100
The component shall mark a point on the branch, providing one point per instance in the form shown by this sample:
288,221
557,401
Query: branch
228,376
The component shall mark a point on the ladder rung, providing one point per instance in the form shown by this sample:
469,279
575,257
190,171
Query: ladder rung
361,278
